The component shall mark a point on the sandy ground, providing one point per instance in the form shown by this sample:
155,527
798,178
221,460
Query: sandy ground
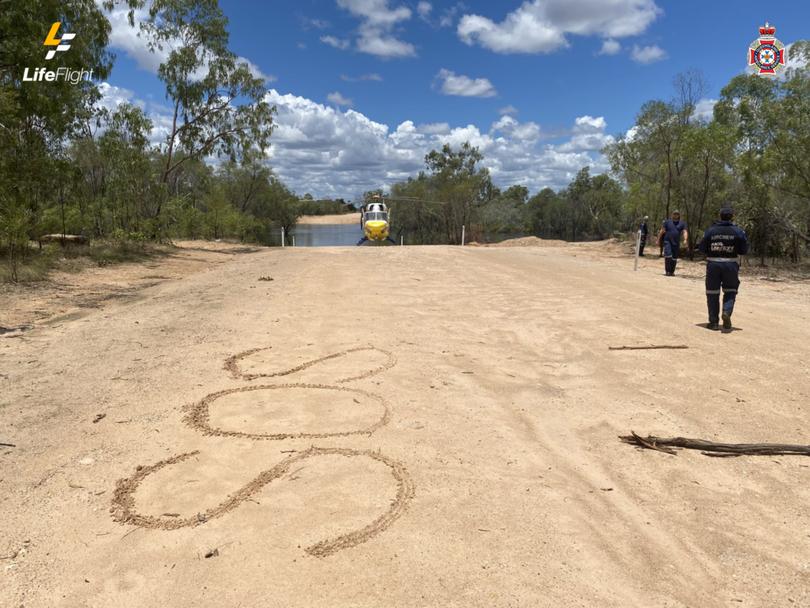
437,430
343,218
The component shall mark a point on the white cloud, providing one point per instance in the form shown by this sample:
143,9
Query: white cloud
376,12
112,96
588,134
362,78
540,26
464,86
128,39
647,54
329,152
509,110
375,36
448,17
435,128
374,42
589,124
798,57
610,47
341,153
317,24
423,9
704,110
339,100
338,43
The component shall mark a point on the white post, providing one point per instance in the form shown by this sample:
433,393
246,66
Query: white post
401,240
282,236
463,230
638,247
293,239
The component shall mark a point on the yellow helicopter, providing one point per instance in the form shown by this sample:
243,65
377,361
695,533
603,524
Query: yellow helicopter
375,221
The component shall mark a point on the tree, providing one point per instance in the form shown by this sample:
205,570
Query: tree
218,106
36,121
460,183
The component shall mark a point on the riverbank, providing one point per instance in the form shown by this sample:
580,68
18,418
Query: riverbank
342,219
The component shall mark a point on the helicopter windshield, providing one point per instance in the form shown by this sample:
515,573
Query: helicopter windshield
376,216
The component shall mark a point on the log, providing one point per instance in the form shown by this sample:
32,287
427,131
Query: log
650,347
712,448
77,239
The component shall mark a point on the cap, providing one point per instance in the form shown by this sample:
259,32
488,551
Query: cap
676,211
646,217
726,211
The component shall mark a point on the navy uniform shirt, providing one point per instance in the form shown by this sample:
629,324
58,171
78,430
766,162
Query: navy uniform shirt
723,242
672,231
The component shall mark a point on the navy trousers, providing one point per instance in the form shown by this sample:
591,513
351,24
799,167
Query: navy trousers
671,253
723,276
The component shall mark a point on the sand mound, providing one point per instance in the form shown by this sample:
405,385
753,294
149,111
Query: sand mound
524,241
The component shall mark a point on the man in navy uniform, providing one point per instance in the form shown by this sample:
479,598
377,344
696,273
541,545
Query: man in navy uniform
672,233
722,243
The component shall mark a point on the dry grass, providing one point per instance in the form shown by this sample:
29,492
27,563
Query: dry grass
39,263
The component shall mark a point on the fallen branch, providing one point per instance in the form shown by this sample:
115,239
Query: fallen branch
650,347
711,448
7,445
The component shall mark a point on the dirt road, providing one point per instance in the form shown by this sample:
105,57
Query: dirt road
459,449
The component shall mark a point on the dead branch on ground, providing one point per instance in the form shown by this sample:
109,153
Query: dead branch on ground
712,448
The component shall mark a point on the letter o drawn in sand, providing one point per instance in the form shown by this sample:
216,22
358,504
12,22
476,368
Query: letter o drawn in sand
199,416
124,500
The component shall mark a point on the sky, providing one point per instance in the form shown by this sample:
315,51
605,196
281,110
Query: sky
365,88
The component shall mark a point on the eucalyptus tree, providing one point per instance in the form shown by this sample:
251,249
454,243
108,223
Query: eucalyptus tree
218,105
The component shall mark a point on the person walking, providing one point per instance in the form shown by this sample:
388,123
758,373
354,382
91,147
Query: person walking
643,231
672,233
723,243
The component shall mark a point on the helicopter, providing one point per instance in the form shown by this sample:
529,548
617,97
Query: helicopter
375,221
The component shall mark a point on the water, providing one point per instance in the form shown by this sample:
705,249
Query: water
342,235
326,235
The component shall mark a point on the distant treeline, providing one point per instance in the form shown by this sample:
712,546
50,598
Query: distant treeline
338,206
753,154
456,191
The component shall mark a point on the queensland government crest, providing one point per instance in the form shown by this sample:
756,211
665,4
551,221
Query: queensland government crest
767,56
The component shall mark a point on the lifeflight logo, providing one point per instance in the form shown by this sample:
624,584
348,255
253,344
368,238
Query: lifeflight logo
62,44
65,74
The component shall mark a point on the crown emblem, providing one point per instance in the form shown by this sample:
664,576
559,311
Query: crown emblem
767,56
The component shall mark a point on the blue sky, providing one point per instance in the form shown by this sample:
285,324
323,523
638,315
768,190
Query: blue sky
365,88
